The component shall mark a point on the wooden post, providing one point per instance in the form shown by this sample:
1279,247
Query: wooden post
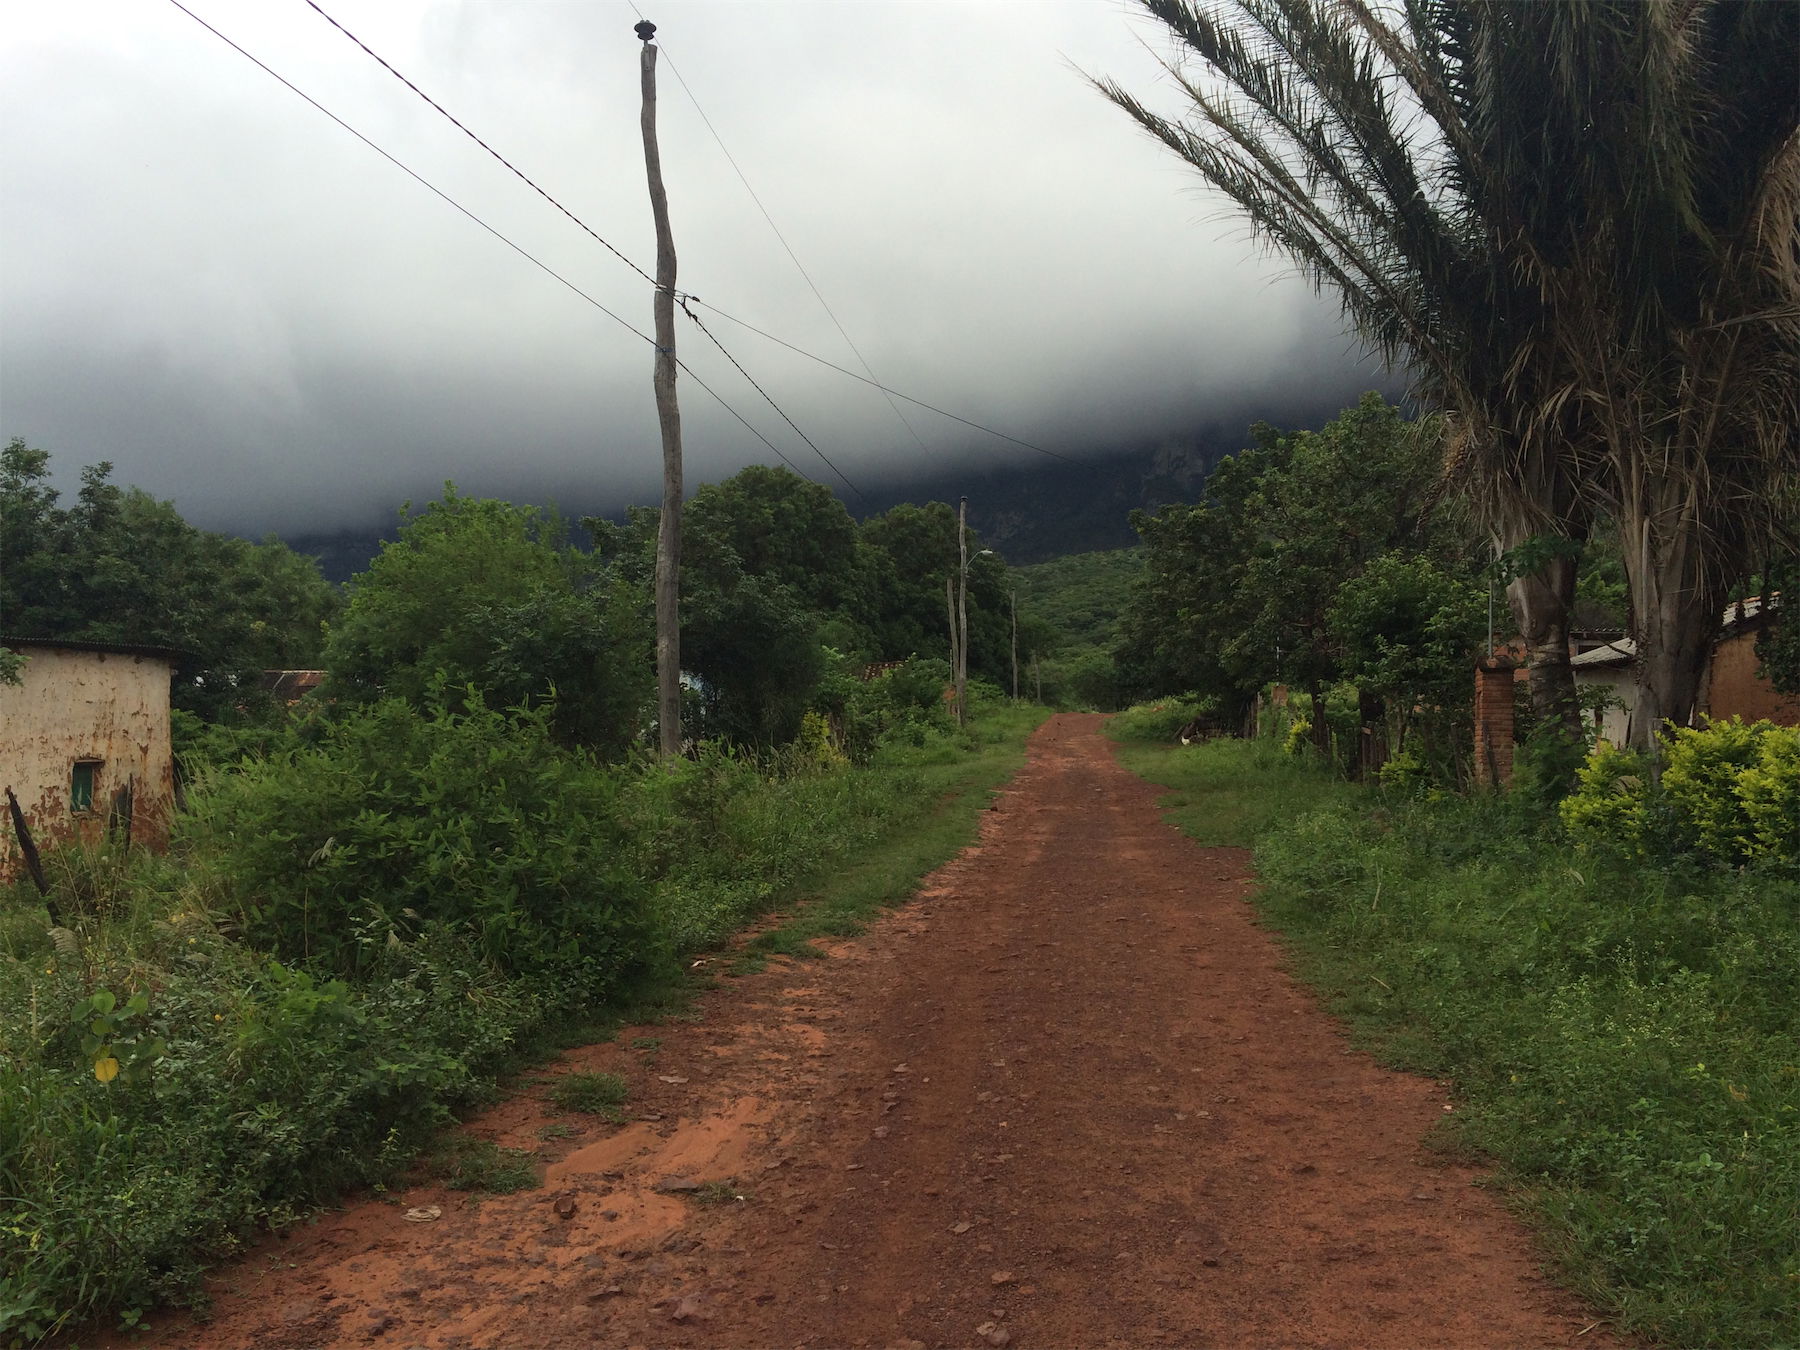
668,414
1037,679
955,651
962,613
1013,595
28,849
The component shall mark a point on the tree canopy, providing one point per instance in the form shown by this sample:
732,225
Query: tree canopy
121,566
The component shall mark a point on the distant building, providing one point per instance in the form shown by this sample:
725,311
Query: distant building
288,687
84,744
1729,688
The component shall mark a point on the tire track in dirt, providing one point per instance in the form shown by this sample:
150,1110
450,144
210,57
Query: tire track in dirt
1067,1097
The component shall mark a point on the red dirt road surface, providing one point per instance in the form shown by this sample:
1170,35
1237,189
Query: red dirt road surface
1067,1097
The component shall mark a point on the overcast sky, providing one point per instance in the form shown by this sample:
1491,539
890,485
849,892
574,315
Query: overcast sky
209,283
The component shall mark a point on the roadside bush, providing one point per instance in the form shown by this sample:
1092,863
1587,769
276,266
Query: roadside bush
254,1092
1730,793
1161,720
716,838
401,818
1700,781
905,704
1607,807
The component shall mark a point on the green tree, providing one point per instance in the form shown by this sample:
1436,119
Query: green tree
913,553
121,566
1408,628
483,593
1238,589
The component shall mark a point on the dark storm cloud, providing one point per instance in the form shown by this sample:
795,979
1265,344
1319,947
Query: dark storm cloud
210,284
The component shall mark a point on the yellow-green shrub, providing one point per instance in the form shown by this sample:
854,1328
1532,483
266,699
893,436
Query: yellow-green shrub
1299,736
1730,791
1700,778
1607,806
1770,792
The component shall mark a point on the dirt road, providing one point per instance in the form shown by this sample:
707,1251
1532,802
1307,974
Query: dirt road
1067,1097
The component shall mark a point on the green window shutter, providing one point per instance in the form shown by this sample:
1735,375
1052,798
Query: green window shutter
81,784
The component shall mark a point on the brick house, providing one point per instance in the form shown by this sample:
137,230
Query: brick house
84,744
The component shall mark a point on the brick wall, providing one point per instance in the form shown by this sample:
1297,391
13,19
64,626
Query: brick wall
1735,690
1494,720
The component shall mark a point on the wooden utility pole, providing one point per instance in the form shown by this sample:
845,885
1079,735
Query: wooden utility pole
668,534
955,651
962,612
1013,595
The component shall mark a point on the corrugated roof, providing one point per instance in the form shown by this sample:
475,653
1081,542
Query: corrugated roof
102,648
1621,650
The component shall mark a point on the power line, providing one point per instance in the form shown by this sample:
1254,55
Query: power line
551,272
449,117
771,402
794,257
535,261
932,407
416,177
524,178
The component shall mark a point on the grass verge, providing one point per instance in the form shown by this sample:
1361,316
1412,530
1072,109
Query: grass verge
1624,1040
839,901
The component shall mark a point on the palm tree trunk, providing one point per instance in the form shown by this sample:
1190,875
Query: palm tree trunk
1675,610
1541,602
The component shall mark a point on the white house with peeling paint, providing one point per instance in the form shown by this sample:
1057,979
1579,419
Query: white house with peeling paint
84,744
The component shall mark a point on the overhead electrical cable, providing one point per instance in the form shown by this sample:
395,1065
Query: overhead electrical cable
449,117
932,407
685,298
765,393
524,178
410,173
532,259
794,257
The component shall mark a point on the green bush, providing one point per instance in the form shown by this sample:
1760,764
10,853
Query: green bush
904,704
258,1092
1161,720
1607,807
1770,793
1700,781
400,818
1730,793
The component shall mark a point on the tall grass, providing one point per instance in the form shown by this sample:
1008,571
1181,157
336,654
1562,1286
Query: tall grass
1624,1040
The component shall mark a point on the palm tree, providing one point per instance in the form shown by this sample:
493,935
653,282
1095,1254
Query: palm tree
1526,205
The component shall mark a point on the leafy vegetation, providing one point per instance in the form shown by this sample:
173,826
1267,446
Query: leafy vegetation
1621,1035
482,594
1317,558
120,566
1069,612
1728,792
